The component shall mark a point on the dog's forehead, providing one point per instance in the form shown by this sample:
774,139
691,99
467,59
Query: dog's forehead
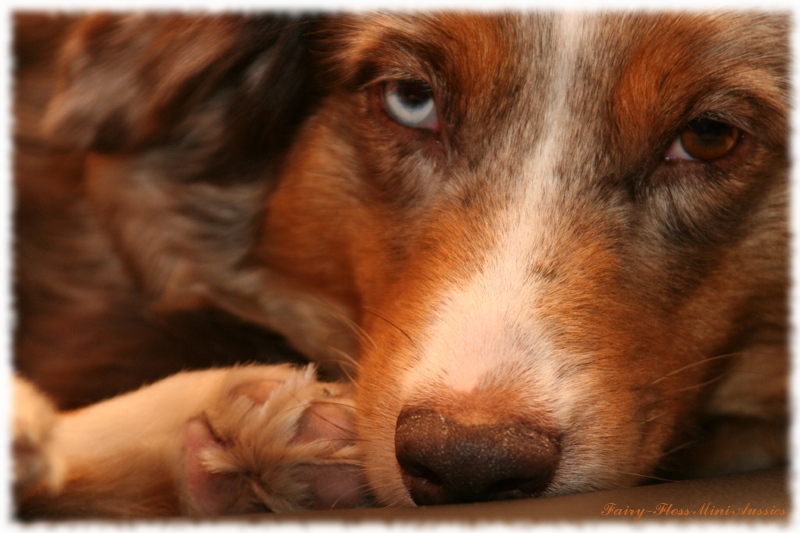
489,61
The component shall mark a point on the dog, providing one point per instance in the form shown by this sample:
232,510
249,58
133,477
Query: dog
530,254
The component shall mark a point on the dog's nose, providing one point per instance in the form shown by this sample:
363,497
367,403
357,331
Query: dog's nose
445,461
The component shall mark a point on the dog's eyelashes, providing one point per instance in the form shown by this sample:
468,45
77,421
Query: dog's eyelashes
411,104
704,139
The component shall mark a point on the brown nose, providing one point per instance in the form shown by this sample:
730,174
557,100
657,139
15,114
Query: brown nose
444,461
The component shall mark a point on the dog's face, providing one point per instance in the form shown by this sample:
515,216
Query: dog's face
549,231
545,226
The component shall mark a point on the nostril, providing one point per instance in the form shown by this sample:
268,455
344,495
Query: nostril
444,461
419,471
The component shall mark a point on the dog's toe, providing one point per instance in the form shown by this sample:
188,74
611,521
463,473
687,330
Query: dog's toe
32,427
333,476
276,439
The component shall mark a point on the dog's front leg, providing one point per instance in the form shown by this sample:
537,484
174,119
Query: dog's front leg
223,441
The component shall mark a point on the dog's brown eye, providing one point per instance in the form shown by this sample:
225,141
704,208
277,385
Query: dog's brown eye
705,139
411,104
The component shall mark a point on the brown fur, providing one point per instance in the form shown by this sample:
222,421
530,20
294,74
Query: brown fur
249,182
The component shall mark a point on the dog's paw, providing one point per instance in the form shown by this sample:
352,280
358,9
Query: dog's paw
34,461
275,439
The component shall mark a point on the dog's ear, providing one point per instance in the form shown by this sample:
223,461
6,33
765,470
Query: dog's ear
130,81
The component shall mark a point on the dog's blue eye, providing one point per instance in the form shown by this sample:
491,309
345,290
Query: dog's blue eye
411,104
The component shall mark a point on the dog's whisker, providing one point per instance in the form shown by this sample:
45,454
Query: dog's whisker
344,370
644,476
347,359
319,304
360,333
354,408
658,423
373,312
695,363
654,417
360,488
698,385
678,448
349,431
